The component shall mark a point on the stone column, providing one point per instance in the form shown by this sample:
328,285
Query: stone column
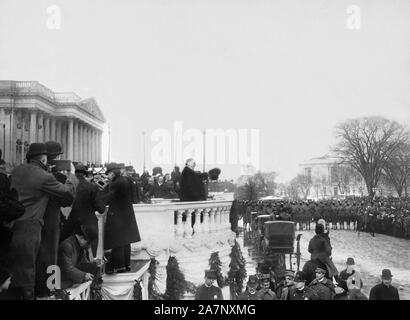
64,140
92,145
88,145
33,126
58,131
40,128
80,142
52,129
5,132
99,147
70,139
20,135
47,129
75,142
84,145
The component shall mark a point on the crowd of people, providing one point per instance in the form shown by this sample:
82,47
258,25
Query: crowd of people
37,238
390,216
35,234
319,279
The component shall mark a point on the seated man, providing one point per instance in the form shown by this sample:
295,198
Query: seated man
73,257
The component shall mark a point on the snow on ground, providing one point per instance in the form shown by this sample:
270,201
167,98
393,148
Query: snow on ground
371,254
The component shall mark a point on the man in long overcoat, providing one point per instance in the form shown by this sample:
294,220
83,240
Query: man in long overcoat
192,186
87,201
34,186
121,227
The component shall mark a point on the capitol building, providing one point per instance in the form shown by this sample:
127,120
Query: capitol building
31,112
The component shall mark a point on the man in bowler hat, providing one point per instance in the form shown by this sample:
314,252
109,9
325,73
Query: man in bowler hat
34,185
384,290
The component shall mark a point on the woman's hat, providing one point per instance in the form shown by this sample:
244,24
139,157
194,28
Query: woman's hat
350,261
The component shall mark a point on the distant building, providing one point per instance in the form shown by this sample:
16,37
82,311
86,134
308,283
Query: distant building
329,177
31,112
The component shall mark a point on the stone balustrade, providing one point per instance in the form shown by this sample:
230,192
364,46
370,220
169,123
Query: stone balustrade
163,224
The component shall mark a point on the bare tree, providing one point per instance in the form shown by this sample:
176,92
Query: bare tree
397,170
368,144
302,183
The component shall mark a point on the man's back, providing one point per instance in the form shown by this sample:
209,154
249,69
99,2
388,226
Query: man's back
383,292
34,185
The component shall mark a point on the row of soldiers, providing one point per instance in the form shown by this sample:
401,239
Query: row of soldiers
389,216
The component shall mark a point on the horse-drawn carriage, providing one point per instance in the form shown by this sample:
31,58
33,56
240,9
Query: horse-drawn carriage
273,243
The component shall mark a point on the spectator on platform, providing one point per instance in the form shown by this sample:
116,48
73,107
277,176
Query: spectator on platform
53,222
34,185
73,260
10,210
192,186
208,291
121,227
87,202
384,290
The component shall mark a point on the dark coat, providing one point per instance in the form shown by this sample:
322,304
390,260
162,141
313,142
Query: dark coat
192,187
121,227
247,296
382,292
208,293
35,186
73,260
87,201
319,248
305,294
325,289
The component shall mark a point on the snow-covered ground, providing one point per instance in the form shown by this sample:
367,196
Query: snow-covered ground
371,254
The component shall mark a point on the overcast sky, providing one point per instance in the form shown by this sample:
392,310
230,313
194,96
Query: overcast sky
291,69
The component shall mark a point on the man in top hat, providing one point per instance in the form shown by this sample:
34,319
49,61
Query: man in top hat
251,292
324,288
300,291
208,291
283,288
121,227
34,185
265,293
384,290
